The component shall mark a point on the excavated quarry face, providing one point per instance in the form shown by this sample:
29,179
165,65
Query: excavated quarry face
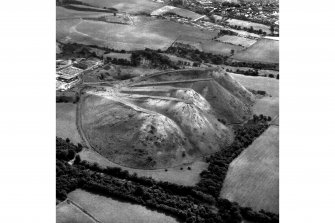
165,120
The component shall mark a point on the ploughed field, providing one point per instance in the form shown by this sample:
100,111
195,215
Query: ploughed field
253,177
166,119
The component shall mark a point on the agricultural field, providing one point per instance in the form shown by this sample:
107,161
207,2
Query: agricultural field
64,13
264,51
236,40
107,209
130,6
268,105
66,122
66,212
175,175
216,47
146,33
270,85
253,177
247,24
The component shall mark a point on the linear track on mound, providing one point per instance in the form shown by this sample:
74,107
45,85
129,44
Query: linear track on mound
174,71
170,82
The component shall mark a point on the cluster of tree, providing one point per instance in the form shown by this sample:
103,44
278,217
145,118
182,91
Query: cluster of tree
152,57
227,208
254,65
213,178
259,92
196,55
248,29
188,204
225,32
67,99
119,61
248,72
65,150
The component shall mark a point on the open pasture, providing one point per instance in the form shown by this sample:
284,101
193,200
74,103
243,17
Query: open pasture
247,24
264,51
66,122
146,33
109,210
130,6
173,175
253,177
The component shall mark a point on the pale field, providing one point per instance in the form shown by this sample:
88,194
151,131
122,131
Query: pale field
68,213
264,51
66,122
253,177
270,85
248,24
173,175
146,33
237,40
268,106
108,210
130,6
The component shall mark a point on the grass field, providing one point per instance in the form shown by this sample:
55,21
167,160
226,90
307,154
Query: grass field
270,85
216,47
248,24
66,122
109,210
173,175
267,105
69,213
236,40
130,6
146,33
264,51
253,177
